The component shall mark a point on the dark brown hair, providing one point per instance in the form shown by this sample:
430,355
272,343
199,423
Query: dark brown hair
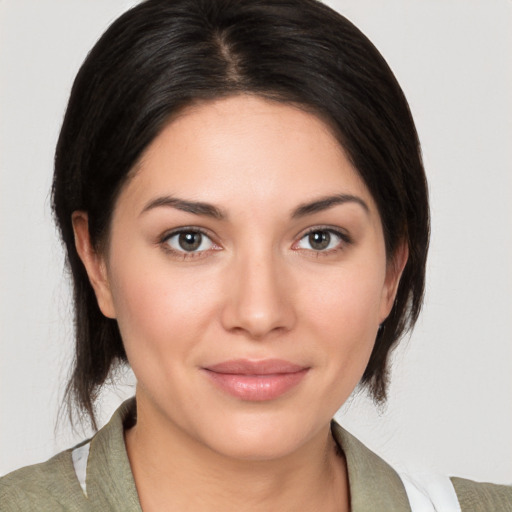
163,55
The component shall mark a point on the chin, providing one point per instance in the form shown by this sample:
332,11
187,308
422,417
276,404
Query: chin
260,437
256,448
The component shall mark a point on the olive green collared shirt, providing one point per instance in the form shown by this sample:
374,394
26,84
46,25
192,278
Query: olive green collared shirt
53,486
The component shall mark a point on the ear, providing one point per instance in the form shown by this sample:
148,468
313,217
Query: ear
94,263
395,268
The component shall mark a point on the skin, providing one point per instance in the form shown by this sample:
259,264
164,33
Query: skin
255,289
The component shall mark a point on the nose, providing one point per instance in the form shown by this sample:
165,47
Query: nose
259,298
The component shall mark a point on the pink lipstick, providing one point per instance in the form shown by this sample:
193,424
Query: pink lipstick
256,381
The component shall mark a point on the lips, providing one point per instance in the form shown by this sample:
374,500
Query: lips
257,381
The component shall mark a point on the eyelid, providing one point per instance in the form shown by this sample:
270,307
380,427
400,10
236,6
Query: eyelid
164,238
342,234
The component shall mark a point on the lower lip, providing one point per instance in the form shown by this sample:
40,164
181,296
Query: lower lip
257,388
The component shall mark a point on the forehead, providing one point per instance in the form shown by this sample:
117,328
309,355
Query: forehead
244,147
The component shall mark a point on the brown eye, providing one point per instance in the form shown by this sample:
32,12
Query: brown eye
323,240
319,240
189,241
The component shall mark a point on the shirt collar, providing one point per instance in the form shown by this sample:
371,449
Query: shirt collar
373,484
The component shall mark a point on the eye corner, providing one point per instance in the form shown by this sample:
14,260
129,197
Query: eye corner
180,242
323,240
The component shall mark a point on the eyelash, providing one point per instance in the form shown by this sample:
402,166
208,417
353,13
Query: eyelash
183,254
344,240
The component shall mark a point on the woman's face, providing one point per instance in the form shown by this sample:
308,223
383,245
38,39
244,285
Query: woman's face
247,271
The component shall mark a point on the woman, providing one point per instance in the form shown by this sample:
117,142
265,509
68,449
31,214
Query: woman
240,191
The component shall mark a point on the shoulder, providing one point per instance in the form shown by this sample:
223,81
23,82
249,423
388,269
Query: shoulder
95,475
482,497
52,485
375,485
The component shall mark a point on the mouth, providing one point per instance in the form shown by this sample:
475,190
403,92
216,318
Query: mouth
256,381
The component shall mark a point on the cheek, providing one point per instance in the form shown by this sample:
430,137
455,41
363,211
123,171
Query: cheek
160,313
349,302
345,314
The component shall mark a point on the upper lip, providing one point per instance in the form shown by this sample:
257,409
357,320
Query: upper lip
261,367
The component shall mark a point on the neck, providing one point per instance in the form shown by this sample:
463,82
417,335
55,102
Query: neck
172,471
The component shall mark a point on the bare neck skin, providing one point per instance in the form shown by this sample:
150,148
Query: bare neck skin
174,472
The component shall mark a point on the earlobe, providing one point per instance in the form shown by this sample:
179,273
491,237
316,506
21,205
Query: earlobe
94,263
394,272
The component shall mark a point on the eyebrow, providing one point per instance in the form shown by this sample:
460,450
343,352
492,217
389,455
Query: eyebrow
325,203
209,210
195,207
